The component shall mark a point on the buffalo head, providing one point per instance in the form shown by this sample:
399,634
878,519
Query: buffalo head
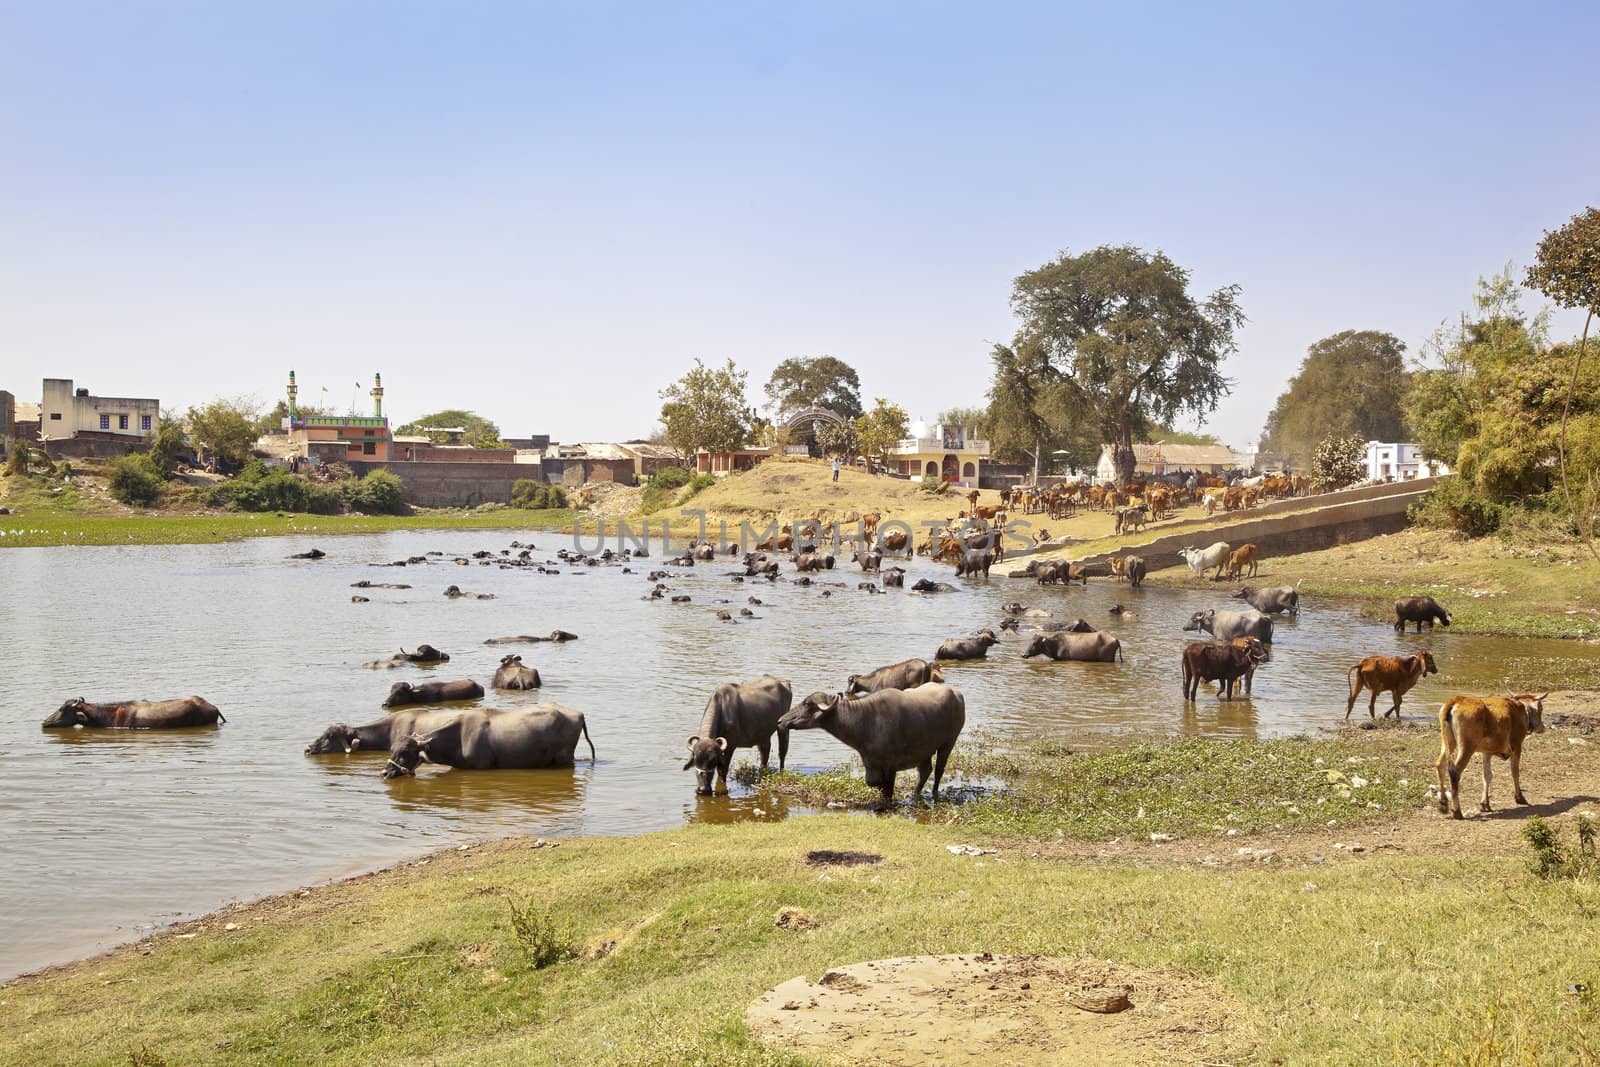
812,712
1038,646
400,694
1202,620
336,738
705,758
510,661
404,757
72,713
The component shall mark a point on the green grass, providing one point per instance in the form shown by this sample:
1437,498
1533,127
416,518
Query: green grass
31,529
1180,788
1439,958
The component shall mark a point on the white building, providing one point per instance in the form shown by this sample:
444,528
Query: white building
1399,461
65,412
938,452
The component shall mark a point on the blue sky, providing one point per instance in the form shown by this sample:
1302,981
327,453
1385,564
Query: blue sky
546,213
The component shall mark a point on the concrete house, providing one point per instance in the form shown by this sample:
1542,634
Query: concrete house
1399,461
938,452
1161,459
67,413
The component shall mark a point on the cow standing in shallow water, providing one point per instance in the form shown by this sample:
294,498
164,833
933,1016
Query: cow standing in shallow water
543,736
1396,674
738,716
892,730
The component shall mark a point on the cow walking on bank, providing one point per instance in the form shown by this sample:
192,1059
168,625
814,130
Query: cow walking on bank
1493,726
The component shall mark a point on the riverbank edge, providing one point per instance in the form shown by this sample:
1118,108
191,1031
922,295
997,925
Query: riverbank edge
757,868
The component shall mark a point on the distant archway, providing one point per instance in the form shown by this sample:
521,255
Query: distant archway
802,427
969,471
952,469
932,471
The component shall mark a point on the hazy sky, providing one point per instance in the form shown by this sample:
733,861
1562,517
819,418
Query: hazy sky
545,213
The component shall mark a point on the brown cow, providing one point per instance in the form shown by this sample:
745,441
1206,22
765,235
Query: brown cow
1223,664
1396,674
893,541
1243,556
1494,726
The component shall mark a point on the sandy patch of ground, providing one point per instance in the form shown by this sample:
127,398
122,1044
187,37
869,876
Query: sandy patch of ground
987,1009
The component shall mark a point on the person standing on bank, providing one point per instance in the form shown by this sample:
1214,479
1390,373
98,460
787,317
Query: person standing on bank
835,468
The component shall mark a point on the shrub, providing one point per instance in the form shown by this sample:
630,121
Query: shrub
167,446
1337,461
323,499
527,493
378,493
1551,859
662,487
541,936
135,480
262,488
21,458
1452,505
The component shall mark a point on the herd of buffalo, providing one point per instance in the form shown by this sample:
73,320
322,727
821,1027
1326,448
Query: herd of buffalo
899,717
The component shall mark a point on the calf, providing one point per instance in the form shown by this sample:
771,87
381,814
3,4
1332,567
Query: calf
1243,556
1396,674
1418,609
1223,664
1493,726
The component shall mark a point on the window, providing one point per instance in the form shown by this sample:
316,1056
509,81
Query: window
105,422
367,432
369,448
144,422
122,422
55,416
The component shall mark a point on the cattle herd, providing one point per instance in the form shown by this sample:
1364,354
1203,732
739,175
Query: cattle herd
899,717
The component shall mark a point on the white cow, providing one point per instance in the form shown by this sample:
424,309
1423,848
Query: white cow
1200,561
1211,504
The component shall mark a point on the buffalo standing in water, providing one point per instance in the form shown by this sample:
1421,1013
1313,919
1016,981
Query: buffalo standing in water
738,716
513,675
136,714
545,736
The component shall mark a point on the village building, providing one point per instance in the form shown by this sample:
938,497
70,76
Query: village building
940,452
67,413
339,438
1399,461
1160,460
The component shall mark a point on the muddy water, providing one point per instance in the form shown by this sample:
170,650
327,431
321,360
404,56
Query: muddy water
106,834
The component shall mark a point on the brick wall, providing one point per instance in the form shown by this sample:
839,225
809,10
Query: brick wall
454,484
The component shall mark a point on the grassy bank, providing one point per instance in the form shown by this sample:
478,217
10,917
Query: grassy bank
1514,585
424,960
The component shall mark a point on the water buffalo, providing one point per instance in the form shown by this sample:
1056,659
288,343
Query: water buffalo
1201,560
738,716
555,635
1418,609
975,647
1224,664
907,674
870,560
454,593
315,553
136,714
1136,568
704,552
928,585
1280,598
403,693
1058,570
543,736
974,561
1092,647
378,736
812,561
513,675
1226,625
893,730
894,578
424,655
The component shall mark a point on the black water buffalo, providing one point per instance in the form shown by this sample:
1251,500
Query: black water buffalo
543,736
1418,609
975,647
893,730
738,716
315,553
907,674
704,552
975,561
555,635
513,675
1135,568
424,655
1225,664
454,593
402,694
1091,647
1226,625
378,736
894,578
870,560
928,585
136,714
1049,572
1280,598
812,561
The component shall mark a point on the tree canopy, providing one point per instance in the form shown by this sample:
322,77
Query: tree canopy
814,381
706,408
879,429
226,430
480,432
1113,338
1350,383
976,419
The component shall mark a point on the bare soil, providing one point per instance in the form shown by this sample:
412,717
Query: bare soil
993,1009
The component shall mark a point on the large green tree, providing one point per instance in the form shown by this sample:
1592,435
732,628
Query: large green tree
1350,383
814,381
975,419
706,408
881,428
1035,415
225,430
480,432
1118,329
1567,270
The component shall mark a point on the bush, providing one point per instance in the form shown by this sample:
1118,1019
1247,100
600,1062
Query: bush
167,446
1452,505
527,493
1338,462
1551,859
135,480
21,458
379,493
323,499
539,933
662,488
262,488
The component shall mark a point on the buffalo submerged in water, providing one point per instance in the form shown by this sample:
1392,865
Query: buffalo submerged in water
136,714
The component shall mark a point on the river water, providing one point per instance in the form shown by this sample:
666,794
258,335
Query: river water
108,834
